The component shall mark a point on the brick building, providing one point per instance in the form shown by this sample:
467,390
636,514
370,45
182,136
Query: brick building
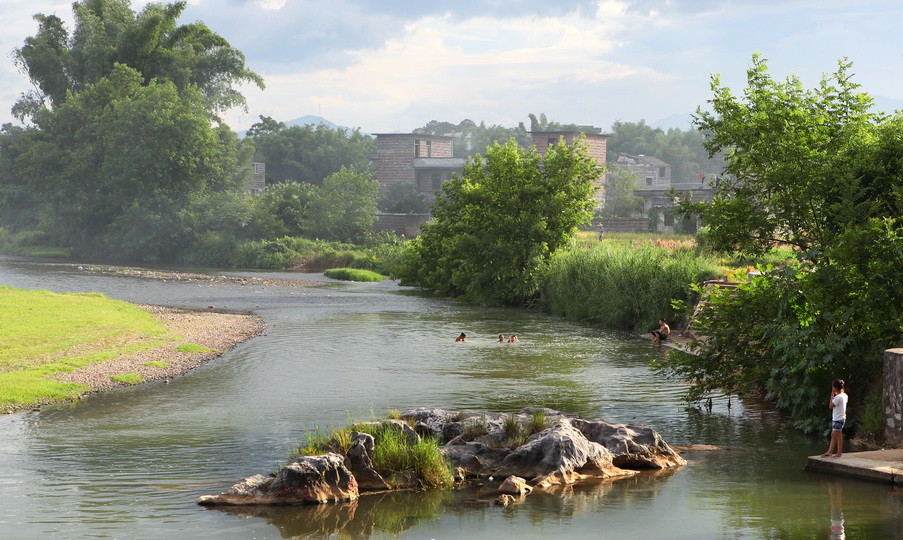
423,160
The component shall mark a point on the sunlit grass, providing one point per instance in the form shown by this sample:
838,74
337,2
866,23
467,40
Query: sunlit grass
394,455
128,378
353,274
45,333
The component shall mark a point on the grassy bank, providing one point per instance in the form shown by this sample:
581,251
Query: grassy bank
45,333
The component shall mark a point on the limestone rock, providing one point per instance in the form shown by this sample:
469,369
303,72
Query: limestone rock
560,455
515,485
359,462
634,446
308,479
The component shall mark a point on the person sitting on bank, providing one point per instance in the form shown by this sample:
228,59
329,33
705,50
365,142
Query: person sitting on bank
462,337
662,333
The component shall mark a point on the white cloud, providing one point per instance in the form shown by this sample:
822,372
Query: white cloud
482,64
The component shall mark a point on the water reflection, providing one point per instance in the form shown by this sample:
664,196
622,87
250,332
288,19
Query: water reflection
375,514
132,462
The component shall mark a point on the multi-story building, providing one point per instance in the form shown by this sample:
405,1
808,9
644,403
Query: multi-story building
423,160
257,183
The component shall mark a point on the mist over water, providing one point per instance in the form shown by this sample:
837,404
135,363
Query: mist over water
131,463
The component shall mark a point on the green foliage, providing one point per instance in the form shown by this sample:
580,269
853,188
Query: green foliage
496,227
814,169
128,163
156,363
343,209
394,456
684,150
538,421
623,286
353,274
620,202
403,198
474,427
108,33
308,154
788,173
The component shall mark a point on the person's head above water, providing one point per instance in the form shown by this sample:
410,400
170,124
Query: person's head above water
461,337
501,337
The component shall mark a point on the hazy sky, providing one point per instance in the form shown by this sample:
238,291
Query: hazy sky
385,65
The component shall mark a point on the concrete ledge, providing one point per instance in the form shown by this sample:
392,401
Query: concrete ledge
884,466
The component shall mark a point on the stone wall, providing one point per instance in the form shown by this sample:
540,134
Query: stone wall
893,397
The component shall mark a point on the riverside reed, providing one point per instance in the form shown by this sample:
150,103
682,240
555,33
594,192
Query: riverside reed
44,333
623,286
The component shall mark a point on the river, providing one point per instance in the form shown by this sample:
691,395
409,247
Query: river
131,463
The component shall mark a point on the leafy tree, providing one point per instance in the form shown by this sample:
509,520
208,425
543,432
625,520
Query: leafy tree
345,208
497,225
283,210
308,153
18,204
117,162
107,33
342,209
403,198
620,202
786,167
817,170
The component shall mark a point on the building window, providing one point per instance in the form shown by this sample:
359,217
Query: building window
437,181
256,167
416,147
649,180
661,172
552,141
429,148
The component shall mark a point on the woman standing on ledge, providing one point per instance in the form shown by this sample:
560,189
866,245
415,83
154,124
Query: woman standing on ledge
838,405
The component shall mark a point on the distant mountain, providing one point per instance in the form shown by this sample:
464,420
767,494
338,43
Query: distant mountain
888,105
683,122
309,120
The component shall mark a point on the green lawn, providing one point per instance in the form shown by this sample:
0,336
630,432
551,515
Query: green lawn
45,333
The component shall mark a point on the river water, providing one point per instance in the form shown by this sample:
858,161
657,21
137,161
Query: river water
131,463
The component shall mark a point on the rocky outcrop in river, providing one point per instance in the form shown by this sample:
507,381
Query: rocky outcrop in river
535,448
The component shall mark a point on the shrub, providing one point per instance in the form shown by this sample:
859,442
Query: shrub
353,274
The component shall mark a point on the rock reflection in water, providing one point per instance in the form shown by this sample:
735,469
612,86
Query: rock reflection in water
381,513
395,512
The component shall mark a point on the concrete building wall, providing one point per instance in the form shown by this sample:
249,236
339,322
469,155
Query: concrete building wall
258,181
893,397
396,152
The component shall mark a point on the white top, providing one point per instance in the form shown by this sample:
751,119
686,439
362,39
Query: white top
840,406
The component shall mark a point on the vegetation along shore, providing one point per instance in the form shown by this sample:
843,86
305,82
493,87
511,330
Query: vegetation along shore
60,347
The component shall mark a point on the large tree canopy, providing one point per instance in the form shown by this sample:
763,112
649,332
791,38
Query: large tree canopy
498,223
121,159
787,163
815,169
108,32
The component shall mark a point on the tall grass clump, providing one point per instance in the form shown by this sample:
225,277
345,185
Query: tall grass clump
394,456
623,287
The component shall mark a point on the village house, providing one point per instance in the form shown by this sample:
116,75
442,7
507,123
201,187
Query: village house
257,183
